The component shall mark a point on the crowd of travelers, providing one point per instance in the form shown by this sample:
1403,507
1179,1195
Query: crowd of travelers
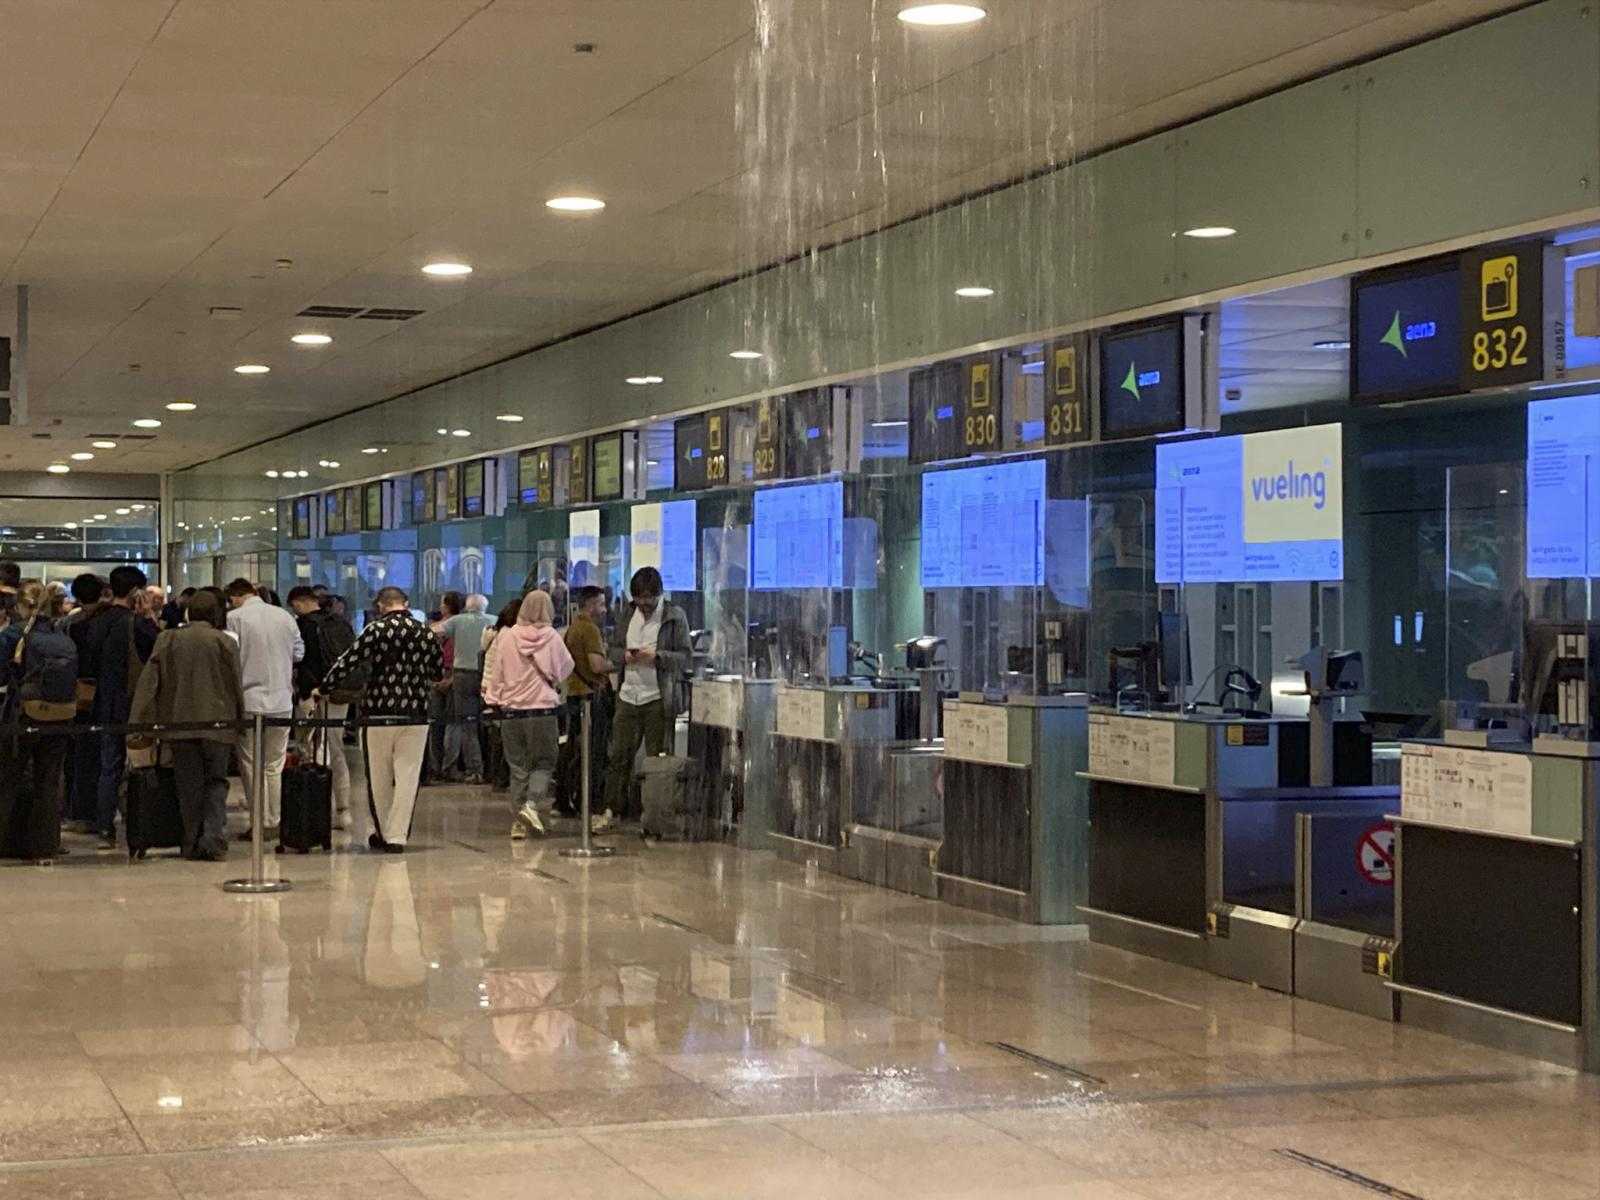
458,698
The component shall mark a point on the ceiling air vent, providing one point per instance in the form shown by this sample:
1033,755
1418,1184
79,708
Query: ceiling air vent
330,312
390,314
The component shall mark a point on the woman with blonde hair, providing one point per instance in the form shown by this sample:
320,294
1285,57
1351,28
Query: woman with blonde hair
530,662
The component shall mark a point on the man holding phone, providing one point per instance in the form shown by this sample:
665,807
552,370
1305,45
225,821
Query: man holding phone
650,648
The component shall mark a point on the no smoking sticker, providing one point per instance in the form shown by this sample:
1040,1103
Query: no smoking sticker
1375,855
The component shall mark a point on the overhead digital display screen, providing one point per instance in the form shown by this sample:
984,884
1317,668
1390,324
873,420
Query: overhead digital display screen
1563,484
1251,509
374,506
421,510
689,441
808,434
302,518
472,488
665,537
528,479
578,472
935,413
352,510
984,526
1143,383
1405,334
798,540
333,513
607,458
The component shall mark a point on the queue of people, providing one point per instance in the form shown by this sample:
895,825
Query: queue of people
126,652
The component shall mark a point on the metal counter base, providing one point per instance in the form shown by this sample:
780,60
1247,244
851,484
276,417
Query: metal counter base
1509,1031
1251,945
807,854
1181,946
1345,968
885,859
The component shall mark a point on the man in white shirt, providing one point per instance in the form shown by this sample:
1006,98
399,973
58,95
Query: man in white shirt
269,647
463,633
650,645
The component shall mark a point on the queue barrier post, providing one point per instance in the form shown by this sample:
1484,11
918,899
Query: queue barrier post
258,884
586,847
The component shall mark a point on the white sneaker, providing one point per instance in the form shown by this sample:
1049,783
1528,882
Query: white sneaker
519,831
604,823
341,819
529,815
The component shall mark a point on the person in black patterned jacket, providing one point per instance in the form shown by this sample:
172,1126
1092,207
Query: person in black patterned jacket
402,662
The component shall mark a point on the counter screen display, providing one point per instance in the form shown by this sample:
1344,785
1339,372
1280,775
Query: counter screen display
607,457
1405,339
1251,509
1142,384
665,537
1563,473
472,488
984,526
799,537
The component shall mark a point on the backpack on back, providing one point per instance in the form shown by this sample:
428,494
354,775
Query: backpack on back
334,637
48,659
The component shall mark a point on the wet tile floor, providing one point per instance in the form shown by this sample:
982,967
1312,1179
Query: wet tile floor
484,1019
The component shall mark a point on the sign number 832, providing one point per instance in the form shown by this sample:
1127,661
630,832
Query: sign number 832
1496,349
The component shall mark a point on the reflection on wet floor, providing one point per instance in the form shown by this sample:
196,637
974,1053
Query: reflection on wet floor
481,1018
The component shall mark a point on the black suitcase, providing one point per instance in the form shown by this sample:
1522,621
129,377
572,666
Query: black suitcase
28,830
672,800
307,820
151,818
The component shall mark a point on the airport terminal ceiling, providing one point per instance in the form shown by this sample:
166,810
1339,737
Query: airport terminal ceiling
207,171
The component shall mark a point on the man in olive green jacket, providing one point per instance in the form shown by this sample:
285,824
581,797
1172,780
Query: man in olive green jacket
193,676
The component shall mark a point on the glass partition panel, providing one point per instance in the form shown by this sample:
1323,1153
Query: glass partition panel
1485,584
1123,603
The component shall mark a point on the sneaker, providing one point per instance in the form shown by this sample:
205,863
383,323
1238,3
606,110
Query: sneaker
529,816
472,780
604,823
108,841
341,819
519,831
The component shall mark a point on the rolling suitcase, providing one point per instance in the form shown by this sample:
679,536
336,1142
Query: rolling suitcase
307,802
151,818
671,800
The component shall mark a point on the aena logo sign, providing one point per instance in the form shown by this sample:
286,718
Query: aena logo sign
1399,334
1293,485
1139,379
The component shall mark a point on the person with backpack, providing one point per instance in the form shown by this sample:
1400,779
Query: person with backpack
326,636
41,670
194,676
530,662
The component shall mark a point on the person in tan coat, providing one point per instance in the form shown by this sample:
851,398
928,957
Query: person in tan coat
193,676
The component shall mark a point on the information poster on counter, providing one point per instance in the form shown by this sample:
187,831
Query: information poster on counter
1251,509
802,713
1563,485
977,732
1470,789
1133,749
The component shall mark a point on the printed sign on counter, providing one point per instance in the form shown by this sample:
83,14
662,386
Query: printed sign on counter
1470,789
977,732
717,703
1133,749
801,713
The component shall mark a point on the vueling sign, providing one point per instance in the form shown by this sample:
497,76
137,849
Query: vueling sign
1292,485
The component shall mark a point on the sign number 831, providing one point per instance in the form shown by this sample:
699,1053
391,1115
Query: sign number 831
1496,349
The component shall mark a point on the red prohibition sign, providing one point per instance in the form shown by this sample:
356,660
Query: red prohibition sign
1375,855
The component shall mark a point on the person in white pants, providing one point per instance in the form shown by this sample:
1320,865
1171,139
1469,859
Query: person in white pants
269,647
401,662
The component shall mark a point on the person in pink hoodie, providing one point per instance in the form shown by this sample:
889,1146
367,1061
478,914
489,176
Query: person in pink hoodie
530,661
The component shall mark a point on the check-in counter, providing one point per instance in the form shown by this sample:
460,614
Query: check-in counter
1192,834
730,727
1496,914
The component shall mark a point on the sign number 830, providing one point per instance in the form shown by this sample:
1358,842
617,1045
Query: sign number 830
1496,349
981,430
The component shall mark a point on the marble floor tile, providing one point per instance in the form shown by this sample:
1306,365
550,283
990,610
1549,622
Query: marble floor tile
631,1106
95,1137
133,1181
180,1131
224,1175
201,1083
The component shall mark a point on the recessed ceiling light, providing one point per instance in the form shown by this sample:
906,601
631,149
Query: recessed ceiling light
442,431
311,339
103,444
251,369
272,474
147,423
58,468
182,406
122,512
576,204
510,418
447,270
745,354
1331,344
644,380
70,525
461,433
975,292
82,456
99,516
942,14
370,450
332,464
138,508
1210,231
